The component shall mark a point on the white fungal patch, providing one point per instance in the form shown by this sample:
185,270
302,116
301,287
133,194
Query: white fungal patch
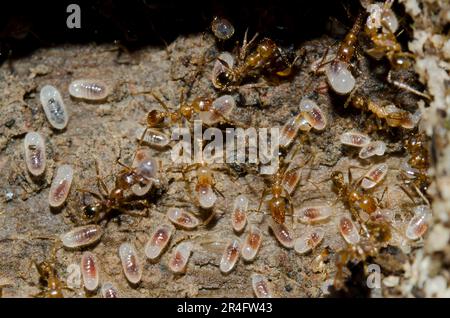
82,236
282,234
183,219
219,111
355,139
131,264
89,271
54,107
158,241
180,257
252,244
239,214
348,230
377,148
230,256
374,176
89,89
309,240
261,286
153,138
313,213
109,291
60,187
339,77
313,114
35,157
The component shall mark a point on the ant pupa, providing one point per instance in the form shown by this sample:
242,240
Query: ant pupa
108,290
180,257
54,107
152,137
313,114
418,224
131,264
355,139
35,157
309,240
313,214
261,286
89,89
158,241
82,236
60,187
282,234
239,214
230,256
374,176
348,230
222,28
377,148
182,219
337,72
90,271
252,244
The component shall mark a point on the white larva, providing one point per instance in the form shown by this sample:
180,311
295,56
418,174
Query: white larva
182,219
374,176
309,240
261,286
90,271
339,77
313,213
282,234
348,230
153,138
109,291
313,114
230,256
158,241
220,109
54,107
35,157
355,139
180,257
82,236
89,89
131,264
377,148
239,213
60,187
252,244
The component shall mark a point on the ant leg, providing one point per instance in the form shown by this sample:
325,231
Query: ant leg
95,195
245,45
407,193
406,87
382,195
100,183
421,195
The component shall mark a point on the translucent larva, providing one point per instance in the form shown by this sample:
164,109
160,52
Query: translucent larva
355,139
418,225
389,20
59,190
89,89
109,291
89,271
147,167
131,264
153,138
313,114
290,180
182,219
348,230
261,286
54,107
180,257
230,256
219,111
309,240
290,129
35,156
282,234
339,77
239,214
222,28
252,243
377,148
82,236
224,62
158,241
374,176
313,214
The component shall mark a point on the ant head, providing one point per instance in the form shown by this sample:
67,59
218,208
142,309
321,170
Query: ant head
337,177
91,211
